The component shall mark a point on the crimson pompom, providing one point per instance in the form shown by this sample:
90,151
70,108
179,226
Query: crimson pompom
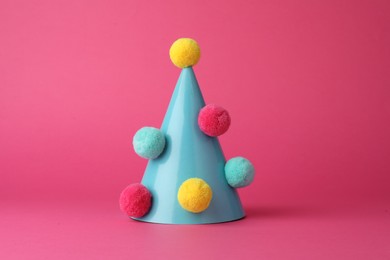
213,120
135,200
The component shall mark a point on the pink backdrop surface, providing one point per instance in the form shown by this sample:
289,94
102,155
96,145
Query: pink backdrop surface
306,84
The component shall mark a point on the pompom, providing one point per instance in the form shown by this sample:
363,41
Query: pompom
213,120
135,200
239,172
184,52
195,195
149,142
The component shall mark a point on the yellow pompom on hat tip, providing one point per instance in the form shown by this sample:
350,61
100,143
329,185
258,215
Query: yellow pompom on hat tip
184,53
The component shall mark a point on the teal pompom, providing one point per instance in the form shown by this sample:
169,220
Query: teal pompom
149,142
239,172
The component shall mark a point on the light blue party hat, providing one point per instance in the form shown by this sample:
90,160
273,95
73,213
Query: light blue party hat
187,179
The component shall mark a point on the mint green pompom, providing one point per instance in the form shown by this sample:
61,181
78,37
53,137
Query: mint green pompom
149,142
239,172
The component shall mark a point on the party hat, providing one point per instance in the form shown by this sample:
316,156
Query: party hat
187,179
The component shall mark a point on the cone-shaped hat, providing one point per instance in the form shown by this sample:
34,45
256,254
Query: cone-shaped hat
189,153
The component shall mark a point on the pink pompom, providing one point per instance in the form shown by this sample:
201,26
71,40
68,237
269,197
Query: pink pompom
135,200
213,120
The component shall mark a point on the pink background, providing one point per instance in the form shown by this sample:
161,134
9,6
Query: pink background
307,86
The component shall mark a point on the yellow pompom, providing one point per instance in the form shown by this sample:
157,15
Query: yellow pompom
195,195
184,52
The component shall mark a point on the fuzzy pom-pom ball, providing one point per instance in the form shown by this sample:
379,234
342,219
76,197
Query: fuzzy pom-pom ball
194,195
184,52
149,142
239,172
213,120
135,200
